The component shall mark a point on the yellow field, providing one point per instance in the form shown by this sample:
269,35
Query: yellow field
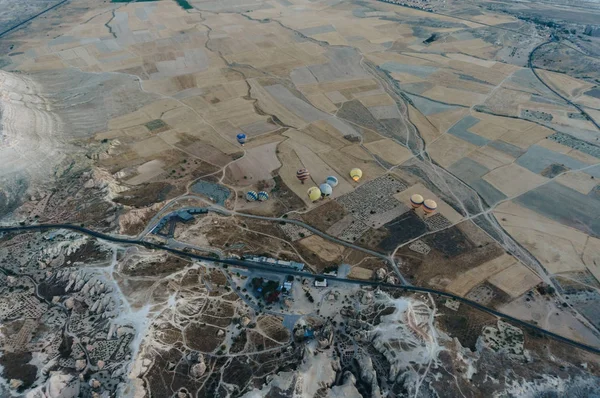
390,151
515,280
488,130
444,120
454,96
466,281
513,179
578,181
491,158
428,130
476,61
568,86
377,100
448,149
360,273
320,101
324,249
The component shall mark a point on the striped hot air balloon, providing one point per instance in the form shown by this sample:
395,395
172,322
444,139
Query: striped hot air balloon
326,189
356,174
429,206
262,196
314,193
241,138
331,180
302,175
251,196
416,201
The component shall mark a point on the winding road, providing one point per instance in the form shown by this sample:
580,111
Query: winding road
533,69
289,271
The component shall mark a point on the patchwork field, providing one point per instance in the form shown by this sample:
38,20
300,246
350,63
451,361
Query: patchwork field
424,103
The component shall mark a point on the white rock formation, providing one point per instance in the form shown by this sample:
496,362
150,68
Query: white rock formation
61,385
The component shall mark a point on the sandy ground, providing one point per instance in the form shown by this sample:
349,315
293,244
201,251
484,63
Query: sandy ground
258,164
324,249
361,273
448,149
147,171
591,256
548,316
454,96
525,138
559,248
31,136
390,151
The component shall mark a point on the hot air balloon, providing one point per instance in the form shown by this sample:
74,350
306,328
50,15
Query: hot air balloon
356,174
262,196
326,189
241,137
331,180
302,175
416,201
429,206
314,193
251,196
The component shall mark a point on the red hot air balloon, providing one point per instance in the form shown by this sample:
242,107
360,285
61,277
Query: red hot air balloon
302,175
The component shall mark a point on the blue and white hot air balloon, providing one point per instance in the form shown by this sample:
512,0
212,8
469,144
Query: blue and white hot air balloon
251,196
326,189
331,180
262,196
241,137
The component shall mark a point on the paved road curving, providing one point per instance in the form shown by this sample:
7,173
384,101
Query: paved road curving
289,271
530,65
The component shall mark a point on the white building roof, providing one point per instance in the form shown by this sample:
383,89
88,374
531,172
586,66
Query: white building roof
322,283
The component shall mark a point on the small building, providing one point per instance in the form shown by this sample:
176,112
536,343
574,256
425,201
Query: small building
198,210
320,282
287,286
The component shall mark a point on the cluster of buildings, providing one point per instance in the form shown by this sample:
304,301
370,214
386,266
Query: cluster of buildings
183,215
272,261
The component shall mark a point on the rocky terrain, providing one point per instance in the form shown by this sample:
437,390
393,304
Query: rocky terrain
134,262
